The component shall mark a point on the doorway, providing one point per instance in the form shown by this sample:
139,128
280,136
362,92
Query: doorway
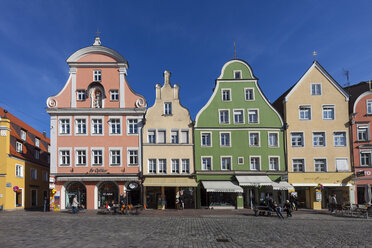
170,196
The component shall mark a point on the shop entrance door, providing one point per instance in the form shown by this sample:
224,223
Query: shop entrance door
76,189
170,196
108,193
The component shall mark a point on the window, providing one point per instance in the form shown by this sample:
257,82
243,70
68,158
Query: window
297,139
115,157
97,157
133,157
365,158
64,127
45,176
23,134
132,126
254,139
37,154
97,75
316,89
167,108
114,95
19,170
64,157
152,166
175,166
115,126
238,117
253,116
81,157
207,164
33,173
342,164
225,163
226,95
80,95
328,112
97,127
305,112
255,163
162,166
161,136
237,74
319,139
185,166
205,139
19,198
240,160
151,138
339,138
274,163
174,136
34,197
320,165
225,139
249,94
37,142
19,147
363,133
298,165
224,117
81,126
369,107
184,136
273,140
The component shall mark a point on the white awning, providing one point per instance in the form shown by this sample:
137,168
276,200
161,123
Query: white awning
221,186
283,185
254,181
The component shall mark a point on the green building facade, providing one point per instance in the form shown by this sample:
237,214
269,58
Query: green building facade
239,143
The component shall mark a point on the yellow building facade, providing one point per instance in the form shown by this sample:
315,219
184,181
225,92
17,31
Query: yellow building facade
315,110
24,168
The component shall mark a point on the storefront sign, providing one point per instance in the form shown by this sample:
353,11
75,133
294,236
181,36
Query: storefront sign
360,174
97,170
318,196
15,188
8,185
133,185
106,193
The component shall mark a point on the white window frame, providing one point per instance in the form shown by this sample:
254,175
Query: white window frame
97,75
37,142
81,95
329,106
61,149
365,127
157,136
114,93
231,162
167,108
259,138
183,166
148,166
311,89
326,165
258,115
120,149
370,158
301,109
303,165
369,106
19,147
128,156
277,139
77,149
210,139
324,137
240,160
154,136
19,168
278,159
69,118
230,139
92,125
184,132
342,158
223,90
259,162
174,133
206,157
228,116
110,125
245,94
166,166
175,166
334,138
32,174
92,149
243,117
303,139
76,119
240,74
23,135
129,119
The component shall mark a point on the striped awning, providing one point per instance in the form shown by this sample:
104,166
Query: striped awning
169,182
221,186
283,185
254,181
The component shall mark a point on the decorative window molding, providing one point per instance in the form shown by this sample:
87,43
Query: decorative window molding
249,94
116,156
206,163
224,116
226,95
206,139
81,156
115,126
255,163
64,156
132,156
81,126
239,116
254,139
97,75
226,163
240,160
97,156
225,139
81,95
97,126
168,108
273,139
132,126
114,95
64,126
253,116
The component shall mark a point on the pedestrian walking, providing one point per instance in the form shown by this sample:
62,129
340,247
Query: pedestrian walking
333,203
288,208
45,203
74,205
295,201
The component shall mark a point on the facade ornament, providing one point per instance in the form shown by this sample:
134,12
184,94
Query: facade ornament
140,103
51,103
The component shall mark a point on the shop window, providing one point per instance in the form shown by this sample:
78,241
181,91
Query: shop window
76,189
108,193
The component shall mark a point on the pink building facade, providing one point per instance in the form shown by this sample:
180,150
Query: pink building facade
361,121
96,122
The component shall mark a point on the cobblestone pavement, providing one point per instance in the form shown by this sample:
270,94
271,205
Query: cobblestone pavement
194,228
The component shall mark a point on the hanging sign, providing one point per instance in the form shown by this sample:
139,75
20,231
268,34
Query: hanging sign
15,188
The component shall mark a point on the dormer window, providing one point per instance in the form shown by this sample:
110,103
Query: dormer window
167,108
81,96
23,134
237,74
37,142
97,76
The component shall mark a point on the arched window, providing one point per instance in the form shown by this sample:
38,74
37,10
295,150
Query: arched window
76,189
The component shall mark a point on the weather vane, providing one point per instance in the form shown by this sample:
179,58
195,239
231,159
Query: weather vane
234,50
98,32
315,53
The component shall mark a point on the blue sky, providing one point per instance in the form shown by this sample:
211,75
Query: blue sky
192,39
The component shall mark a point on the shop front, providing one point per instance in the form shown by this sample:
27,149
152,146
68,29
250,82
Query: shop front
363,183
221,195
169,192
76,189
